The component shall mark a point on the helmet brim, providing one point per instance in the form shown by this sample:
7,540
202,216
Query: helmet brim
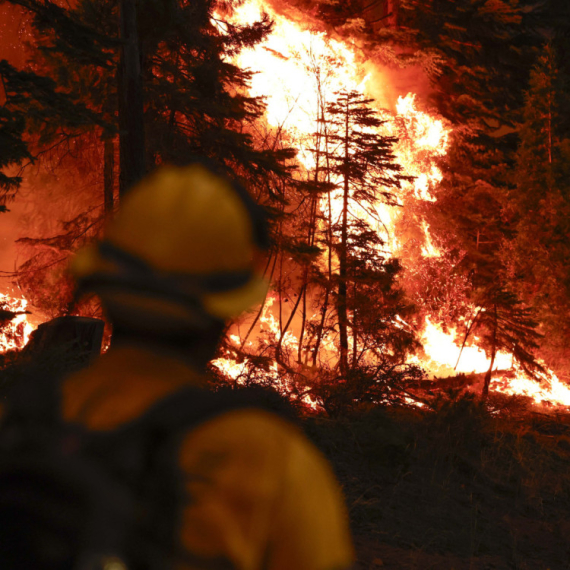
228,304
221,305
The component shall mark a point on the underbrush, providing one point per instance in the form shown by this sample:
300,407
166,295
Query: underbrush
463,486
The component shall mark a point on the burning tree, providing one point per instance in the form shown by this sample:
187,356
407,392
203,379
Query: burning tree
336,316
363,162
350,339
504,323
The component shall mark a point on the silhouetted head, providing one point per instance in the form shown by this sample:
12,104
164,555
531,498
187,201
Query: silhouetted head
179,258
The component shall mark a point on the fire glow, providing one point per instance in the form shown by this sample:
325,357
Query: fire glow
14,332
298,71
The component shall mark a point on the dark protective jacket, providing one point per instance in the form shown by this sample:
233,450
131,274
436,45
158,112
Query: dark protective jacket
263,497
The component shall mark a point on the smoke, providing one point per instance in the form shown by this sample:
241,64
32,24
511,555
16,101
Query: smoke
14,34
386,84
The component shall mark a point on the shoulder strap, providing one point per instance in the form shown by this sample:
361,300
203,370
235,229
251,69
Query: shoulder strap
152,439
191,406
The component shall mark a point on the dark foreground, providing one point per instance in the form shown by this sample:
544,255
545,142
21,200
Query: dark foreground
457,489
454,488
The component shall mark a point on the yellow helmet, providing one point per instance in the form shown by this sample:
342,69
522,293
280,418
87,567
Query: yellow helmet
183,241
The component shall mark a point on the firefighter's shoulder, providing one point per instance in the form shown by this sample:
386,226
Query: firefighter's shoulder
261,493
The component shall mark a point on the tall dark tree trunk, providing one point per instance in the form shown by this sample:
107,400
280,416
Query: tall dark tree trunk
108,175
131,105
342,309
354,333
487,382
325,305
311,242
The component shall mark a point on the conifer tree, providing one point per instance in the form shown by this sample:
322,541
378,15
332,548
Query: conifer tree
195,100
13,151
194,97
33,104
538,256
503,323
362,161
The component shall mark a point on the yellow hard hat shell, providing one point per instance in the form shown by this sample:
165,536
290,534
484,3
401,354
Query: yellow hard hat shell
183,221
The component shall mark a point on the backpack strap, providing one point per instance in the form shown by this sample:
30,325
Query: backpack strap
144,454
191,406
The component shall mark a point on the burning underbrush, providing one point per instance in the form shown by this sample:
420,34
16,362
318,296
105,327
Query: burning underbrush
15,328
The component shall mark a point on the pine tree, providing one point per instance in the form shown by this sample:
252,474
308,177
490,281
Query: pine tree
503,323
195,101
194,97
538,256
13,151
33,104
363,162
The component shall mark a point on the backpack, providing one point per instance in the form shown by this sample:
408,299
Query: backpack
71,499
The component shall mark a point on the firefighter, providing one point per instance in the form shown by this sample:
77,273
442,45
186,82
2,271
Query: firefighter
179,260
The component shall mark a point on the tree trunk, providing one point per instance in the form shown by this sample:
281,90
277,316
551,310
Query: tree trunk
303,325
285,328
311,240
108,176
342,310
487,382
325,306
262,306
131,110
354,334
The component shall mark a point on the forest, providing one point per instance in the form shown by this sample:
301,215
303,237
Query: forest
414,159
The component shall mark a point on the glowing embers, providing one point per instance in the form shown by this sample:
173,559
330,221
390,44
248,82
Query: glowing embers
15,329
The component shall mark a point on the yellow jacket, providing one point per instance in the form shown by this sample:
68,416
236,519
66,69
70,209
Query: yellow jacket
262,496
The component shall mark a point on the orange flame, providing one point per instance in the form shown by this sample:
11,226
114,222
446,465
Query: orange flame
550,392
14,333
444,356
298,72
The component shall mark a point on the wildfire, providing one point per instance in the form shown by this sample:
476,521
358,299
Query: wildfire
295,70
549,392
298,71
240,371
15,329
421,140
444,356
